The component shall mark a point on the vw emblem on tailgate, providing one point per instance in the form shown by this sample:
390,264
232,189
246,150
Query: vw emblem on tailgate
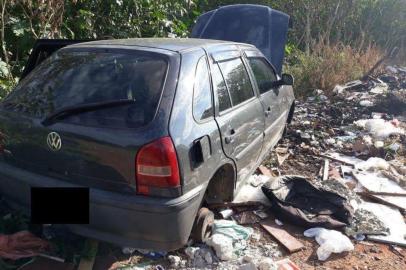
54,141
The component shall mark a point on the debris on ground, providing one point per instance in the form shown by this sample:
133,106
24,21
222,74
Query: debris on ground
330,241
21,245
282,236
296,200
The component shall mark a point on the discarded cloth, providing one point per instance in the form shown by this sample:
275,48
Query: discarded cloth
228,238
231,229
330,241
21,245
296,200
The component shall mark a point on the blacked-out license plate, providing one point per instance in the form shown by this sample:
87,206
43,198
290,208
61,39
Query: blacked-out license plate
59,205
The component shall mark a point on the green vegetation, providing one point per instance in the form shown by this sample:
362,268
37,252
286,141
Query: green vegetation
330,40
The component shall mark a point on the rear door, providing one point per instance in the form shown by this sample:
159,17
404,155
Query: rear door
270,96
239,112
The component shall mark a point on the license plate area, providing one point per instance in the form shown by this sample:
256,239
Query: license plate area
59,205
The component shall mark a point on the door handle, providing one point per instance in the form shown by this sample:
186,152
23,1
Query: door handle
230,138
268,112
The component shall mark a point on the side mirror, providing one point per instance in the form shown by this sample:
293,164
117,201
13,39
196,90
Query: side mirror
287,79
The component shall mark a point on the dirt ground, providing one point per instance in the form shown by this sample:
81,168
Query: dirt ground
367,255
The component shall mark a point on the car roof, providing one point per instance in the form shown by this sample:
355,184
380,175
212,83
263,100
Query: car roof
171,44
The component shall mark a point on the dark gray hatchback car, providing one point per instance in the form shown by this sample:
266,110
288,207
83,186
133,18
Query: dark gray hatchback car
154,127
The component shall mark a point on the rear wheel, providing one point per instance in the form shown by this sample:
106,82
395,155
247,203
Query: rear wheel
203,225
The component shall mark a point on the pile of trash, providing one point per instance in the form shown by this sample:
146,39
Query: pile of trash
340,174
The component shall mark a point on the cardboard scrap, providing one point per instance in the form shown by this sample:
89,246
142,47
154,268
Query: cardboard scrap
342,158
326,169
282,236
265,171
282,154
392,219
378,184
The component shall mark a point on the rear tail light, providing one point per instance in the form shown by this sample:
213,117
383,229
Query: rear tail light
157,166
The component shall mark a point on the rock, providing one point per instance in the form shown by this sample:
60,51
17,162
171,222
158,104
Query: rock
207,256
247,258
318,92
379,144
374,249
338,89
379,89
222,245
395,147
366,103
183,264
128,250
314,143
323,97
305,136
267,264
247,266
191,251
174,260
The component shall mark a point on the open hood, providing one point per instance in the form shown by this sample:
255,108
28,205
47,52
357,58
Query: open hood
42,49
258,25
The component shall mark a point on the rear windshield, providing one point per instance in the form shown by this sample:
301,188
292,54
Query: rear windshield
71,78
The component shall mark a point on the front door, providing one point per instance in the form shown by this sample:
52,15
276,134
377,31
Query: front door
239,112
270,97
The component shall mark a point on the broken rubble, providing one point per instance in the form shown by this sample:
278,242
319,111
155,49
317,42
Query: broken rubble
222,245
267,264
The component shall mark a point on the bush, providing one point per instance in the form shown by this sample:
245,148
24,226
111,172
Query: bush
327,66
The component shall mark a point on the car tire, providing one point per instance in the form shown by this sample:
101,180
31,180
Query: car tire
203,225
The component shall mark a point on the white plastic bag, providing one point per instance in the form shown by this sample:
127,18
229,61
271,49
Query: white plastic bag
372,164
330,241
379,128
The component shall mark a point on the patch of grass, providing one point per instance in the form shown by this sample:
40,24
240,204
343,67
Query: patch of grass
327,66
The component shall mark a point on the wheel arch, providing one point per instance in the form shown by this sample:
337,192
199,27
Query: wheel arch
221,185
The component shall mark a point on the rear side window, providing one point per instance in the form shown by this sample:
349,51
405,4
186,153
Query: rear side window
221,89
237,80
202,101
263,73
71,78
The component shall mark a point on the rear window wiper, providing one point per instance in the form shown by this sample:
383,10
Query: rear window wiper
80,108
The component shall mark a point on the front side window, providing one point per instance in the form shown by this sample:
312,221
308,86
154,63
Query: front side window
221,89
237,80
263,73
70,78
202,101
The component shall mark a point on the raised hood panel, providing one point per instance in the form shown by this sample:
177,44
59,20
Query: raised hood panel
258,25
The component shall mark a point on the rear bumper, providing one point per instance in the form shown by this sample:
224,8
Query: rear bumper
124,220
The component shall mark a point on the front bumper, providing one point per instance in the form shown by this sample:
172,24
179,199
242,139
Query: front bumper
124,220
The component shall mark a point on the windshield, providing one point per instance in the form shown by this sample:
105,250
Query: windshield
70,78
